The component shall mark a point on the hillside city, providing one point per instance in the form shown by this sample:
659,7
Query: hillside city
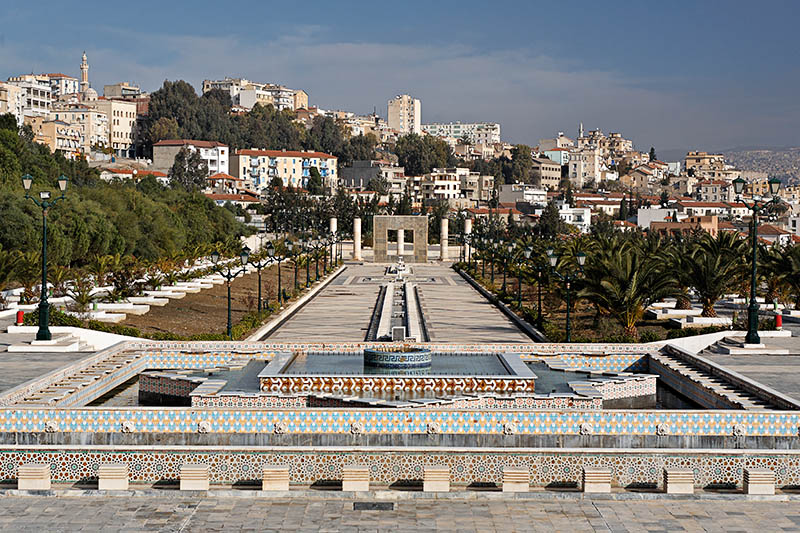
128,134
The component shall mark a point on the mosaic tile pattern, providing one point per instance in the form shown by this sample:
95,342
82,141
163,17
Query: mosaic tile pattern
291,383
467,421
232,465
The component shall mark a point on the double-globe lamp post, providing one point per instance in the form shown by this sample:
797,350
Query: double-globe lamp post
567,279
229,273
259,263
278,257
45,202
752,336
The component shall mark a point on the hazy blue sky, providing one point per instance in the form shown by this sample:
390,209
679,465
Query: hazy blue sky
671,74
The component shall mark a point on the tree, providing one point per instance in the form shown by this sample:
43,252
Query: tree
550,224
315,184
664,200
784,266
8,122
653,154
623,281
521,163
714,268
164,128
623,209
419,155
189,170
379,184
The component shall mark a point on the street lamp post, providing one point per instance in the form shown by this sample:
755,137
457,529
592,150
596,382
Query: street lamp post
277,257
527,253
308,262
229,274
506,261
45,202
752,336
567,279
259,264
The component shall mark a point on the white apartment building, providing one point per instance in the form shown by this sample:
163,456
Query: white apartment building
585,166
247,94
12,100
259,167
405,114
214,154
121,124
522,192
62,85
477,187
443,183
38,94
476,132
581,217
715,191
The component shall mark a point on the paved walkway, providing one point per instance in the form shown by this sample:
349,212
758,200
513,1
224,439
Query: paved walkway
775,371
148,513
340,312
453,311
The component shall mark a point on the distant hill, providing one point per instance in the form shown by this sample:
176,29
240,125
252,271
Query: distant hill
783,163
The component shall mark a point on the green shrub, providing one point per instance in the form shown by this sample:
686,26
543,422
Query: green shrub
649,335
57,318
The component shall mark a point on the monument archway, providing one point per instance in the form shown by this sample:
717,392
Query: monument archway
415,223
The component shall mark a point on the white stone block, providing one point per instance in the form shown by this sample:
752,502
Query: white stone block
516,479
33,476
596,480
194,476
759,481
436,479
678,481
275,477
112,476
355,478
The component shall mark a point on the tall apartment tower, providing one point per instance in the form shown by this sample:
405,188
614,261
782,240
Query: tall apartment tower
405,114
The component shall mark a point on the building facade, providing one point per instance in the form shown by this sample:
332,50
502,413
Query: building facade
247,94
476,132
259,167
405,114
12,100
37,93
214,154
121,124
547,173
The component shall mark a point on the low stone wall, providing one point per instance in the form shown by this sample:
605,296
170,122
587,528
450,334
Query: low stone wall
307,465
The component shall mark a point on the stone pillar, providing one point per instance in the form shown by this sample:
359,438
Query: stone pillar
401,242
443,237
467,231
356,239
333,225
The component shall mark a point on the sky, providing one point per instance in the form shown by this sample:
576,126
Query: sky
675,75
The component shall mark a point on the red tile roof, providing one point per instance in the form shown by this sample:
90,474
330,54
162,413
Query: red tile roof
233,197
281,153
769,229
223,176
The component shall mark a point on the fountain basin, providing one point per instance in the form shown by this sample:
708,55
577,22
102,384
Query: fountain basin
406,358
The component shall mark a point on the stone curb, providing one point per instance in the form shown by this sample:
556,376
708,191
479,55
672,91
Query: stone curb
393,495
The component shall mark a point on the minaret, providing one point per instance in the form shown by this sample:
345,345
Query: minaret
580,129
84,74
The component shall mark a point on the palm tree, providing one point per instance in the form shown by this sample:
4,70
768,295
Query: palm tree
8,264
59,276
784,266
100,267
624,282
715,269
27,273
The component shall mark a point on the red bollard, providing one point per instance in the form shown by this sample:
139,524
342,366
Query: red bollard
778,321
20,317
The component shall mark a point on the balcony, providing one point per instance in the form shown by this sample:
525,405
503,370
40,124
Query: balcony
306,163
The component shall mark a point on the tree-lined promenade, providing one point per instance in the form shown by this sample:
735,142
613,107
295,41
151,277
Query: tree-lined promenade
623,274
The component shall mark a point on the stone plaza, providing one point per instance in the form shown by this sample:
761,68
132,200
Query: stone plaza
473,424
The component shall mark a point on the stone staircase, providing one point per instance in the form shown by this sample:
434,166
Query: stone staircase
736,346
79,379
60,344
714,391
